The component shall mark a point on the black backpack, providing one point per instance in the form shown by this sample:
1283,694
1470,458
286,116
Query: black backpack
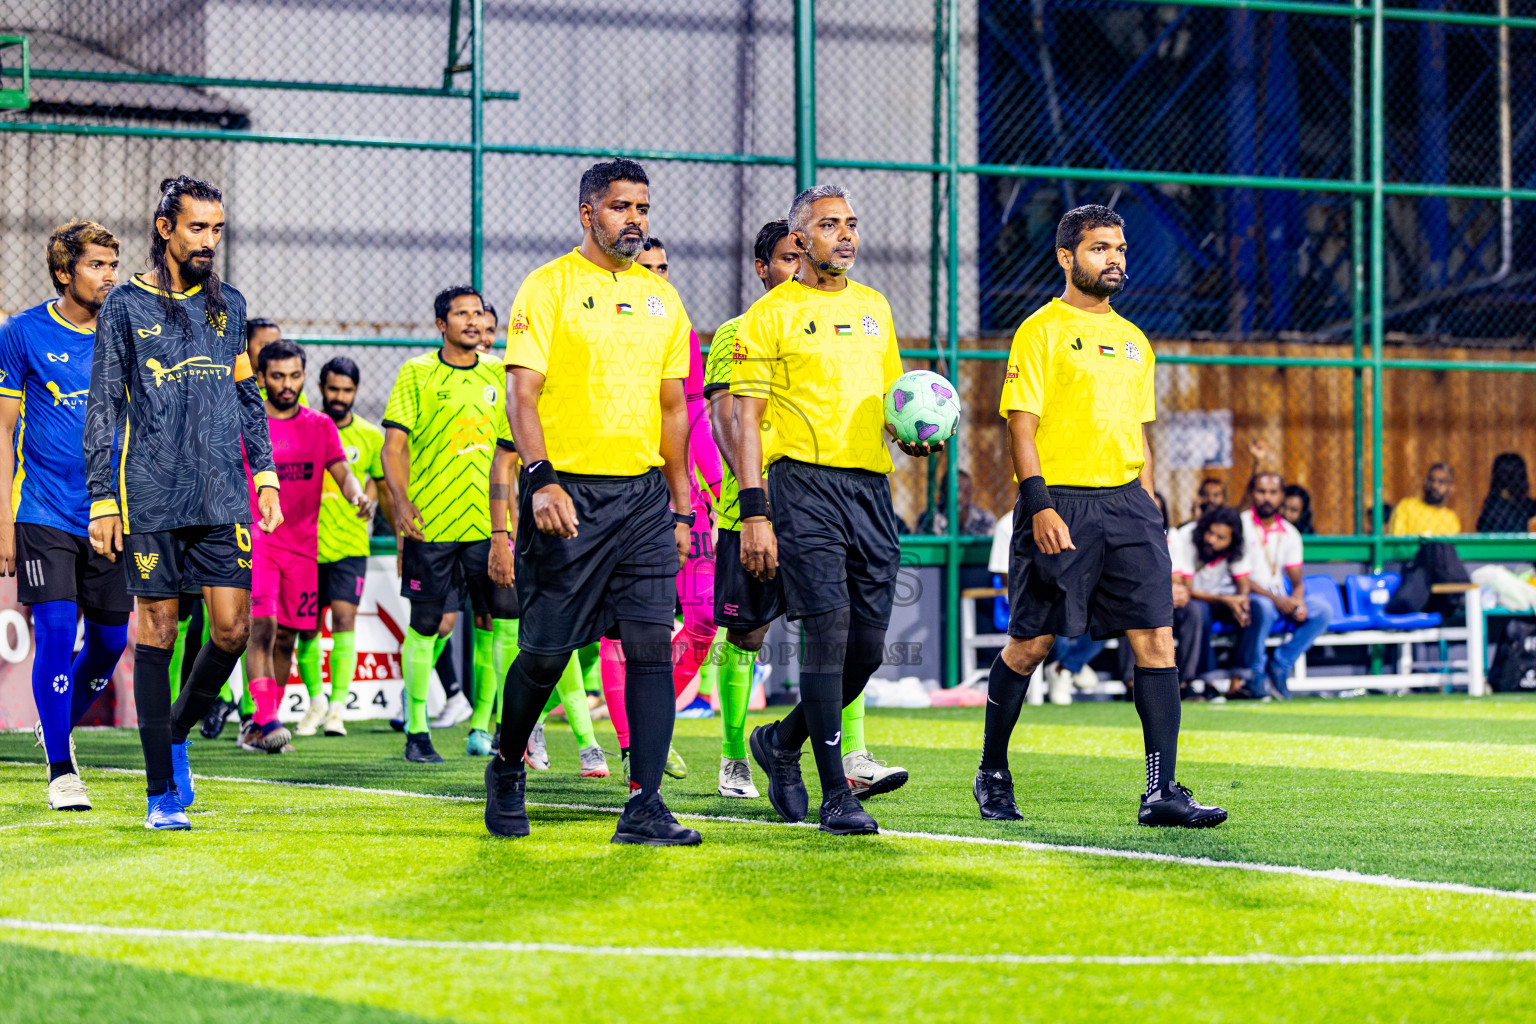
1514,666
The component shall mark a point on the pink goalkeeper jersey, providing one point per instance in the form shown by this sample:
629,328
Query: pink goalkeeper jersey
703,456
304,448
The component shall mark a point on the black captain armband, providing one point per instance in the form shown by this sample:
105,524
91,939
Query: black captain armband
539,475
753,502
1035,496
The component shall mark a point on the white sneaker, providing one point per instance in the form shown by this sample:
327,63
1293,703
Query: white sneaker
456,711
537,754
335,725
1059,680
868,777
67,793
736,779
314,717
1087,679
37,733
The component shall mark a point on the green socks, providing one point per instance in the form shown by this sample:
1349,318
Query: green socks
418,654
503,653
307,654
853,726
177,654
573,694
735,691
591,668
482,693
343,666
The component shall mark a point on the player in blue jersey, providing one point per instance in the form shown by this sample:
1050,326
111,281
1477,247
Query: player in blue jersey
45,372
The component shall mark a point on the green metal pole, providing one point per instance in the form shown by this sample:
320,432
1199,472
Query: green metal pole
952,333
1378,268
805,94
453,45
477,137
1357,251
935,218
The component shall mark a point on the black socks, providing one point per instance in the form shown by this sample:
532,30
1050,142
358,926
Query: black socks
1156,694
651,704
530,679
210,670
152,703
1005,698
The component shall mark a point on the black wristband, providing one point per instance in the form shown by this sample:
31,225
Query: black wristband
754,502
539,475
686,518
1034,496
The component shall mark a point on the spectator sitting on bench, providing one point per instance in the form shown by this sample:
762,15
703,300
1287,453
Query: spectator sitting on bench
1297,508
1212,494
1509,507
1274,553
1427,516
1210,581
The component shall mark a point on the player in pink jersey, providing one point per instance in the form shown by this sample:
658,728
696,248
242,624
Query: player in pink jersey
696,580
285,563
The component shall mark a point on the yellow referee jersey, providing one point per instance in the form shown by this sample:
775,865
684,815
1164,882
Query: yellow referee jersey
604,342
1089,377
823,360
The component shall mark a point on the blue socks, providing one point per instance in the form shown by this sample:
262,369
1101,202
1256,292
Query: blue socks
93,666
54,624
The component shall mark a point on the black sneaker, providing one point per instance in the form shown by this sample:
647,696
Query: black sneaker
506,783
496,740
418,748
843,815
1176,805
213,721
786,789
647,822
993,790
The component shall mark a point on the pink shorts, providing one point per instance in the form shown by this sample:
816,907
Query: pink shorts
284,585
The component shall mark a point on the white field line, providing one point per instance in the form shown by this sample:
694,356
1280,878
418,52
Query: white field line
754,953
1322,874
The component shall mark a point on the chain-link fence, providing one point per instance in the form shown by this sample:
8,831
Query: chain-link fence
1245,148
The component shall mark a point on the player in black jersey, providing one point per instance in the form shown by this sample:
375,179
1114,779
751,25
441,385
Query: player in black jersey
175,502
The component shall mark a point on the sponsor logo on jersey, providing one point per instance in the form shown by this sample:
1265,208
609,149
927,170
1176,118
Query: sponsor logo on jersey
1133,351
352,452
871,326
812,328
150,332
197,366
60,358
1013,372
1107,351
295,470
842,330
70,398
1077,344
146,564
218,321
655,306
520,321
489,394
625,309
590,303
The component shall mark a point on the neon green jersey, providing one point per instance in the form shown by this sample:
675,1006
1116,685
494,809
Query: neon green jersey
342,534
456,417
717,377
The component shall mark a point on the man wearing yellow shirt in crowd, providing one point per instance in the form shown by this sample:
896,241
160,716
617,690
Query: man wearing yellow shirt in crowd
1089,552
1427,516
813,360
597,353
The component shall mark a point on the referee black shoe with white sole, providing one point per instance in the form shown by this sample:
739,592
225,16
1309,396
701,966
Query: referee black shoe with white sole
1174,805
647,822
418,748
993,790
843,815
786,789
506,784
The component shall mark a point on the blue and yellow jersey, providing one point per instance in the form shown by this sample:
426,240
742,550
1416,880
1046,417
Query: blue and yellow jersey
46,362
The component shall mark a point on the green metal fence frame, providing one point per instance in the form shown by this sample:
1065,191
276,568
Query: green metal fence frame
1366,185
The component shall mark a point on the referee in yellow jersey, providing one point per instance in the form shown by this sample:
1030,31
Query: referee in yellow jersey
813,360
1089,554
597,350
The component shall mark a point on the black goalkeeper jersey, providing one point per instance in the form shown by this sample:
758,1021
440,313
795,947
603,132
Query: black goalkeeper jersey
178,395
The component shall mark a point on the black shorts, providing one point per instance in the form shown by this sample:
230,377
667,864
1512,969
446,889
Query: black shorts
1118,576
342,580
837,540
621,565
743,602
438,573
52,565
169,563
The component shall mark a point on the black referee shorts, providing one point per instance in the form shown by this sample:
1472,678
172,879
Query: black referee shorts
621,565
837,540
52,565
743,602
1118,576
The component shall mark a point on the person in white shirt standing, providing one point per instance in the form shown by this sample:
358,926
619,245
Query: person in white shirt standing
1274,552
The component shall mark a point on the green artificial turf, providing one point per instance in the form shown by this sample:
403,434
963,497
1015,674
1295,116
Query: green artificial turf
1427,788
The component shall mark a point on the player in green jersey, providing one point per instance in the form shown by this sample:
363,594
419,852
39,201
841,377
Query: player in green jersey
446,416
743,604
344,549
